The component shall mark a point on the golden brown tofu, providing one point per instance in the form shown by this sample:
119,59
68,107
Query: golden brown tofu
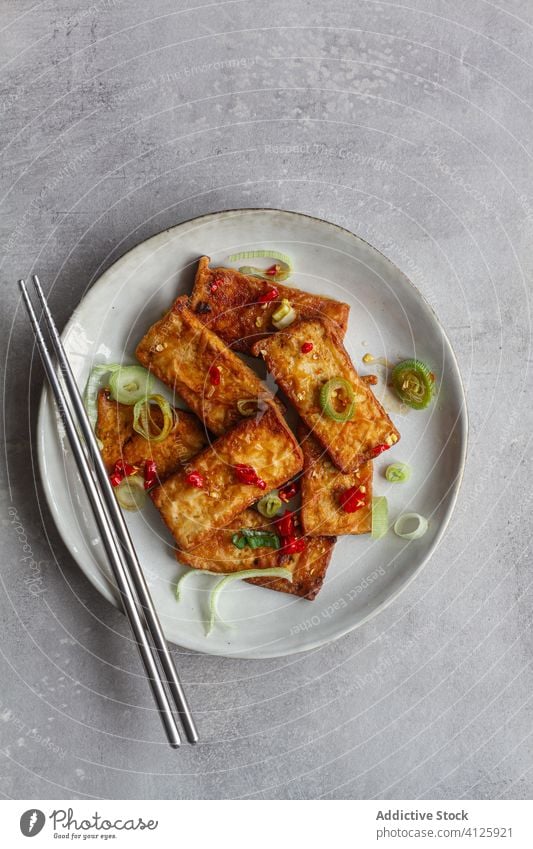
302,375
226,301
113,427
218,554
197,365
193,513
186,439
323,485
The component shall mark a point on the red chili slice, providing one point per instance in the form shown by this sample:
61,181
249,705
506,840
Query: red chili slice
285,524
195,479
247,474
293,545
214,375
273,270
288,491
270,295
121,470
352,499
379,449
306,347
215,283
150,474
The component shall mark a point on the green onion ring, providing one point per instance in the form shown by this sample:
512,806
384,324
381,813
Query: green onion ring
130,493
413,382
380,517
142,418
402,523
274,572
269,505
130,384
398,472
93,386
248,406
326,399
282,259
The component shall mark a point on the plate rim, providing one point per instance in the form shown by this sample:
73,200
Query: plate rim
462,423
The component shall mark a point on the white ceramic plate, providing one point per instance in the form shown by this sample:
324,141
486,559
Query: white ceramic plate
388,318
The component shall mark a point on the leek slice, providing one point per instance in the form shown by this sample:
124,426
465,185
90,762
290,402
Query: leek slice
398,473
415,521
284,315
130,384
329,395
248,406
380,517
282,259
142,418
269,505
413,383
131,494
92,388
274,572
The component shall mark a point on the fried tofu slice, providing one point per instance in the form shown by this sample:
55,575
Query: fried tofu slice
226,301
114,426
186,439
218,554
264,443
322,484
302,375
199,367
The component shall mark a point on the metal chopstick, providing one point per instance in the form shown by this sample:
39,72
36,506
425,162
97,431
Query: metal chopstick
133,611
125,541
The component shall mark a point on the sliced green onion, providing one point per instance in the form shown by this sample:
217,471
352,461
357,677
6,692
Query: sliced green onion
92,388
274,572
282,259
380,517
411,526
130,384
413,383
268,254
284,315
283,310
142,419
398,472
181,580
328,396
248,406
238,541
269,505
255,538
131,494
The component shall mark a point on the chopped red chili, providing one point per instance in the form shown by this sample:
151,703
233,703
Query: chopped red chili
247,474
215,283
285,524
195,479
288,491
270,295
121,470
379,449
150,474
273,270
306,347
352,499
293,545
214,375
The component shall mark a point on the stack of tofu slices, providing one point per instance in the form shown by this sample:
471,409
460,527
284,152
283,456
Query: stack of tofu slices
236,446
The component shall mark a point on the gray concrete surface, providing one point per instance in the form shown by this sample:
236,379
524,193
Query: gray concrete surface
409,124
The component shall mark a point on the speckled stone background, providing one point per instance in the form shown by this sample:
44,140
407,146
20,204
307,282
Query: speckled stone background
410,124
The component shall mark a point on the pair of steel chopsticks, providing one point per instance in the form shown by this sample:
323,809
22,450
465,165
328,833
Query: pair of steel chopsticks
134,592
